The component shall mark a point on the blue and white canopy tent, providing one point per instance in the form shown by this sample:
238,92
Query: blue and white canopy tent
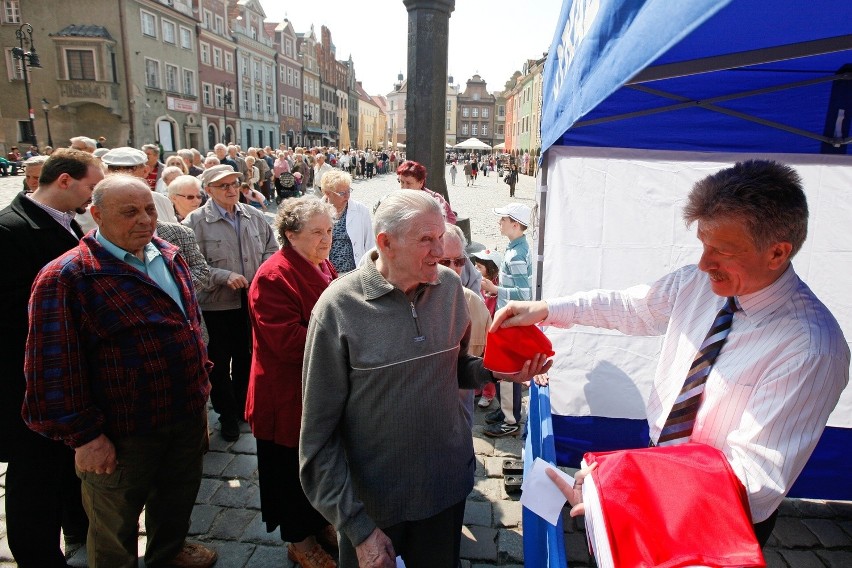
642,98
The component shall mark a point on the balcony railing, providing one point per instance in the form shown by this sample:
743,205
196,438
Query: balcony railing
102,93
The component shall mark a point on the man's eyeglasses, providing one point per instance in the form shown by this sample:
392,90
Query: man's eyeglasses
342,193
189,197
232,185
457,262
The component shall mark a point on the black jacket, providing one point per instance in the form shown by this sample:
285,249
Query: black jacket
29,239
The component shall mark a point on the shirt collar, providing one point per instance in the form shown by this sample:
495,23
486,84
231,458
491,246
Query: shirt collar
763,302
150,251
514,243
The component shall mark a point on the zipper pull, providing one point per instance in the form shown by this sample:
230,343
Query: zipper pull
419,337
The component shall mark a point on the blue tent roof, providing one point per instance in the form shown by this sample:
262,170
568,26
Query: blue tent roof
709,75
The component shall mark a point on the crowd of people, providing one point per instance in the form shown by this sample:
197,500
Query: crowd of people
351,346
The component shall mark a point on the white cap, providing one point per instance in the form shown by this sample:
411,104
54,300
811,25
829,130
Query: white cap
492,255
125,157
516,211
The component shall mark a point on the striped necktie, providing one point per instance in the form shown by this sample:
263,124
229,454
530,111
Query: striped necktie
679,424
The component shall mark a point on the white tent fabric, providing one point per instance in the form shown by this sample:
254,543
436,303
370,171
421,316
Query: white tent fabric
596,238
472,144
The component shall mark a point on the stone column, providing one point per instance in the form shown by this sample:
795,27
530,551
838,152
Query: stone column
428,38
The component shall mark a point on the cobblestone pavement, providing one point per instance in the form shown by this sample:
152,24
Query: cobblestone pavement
809,533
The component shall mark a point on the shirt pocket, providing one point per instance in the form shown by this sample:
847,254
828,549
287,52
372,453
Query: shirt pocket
215,253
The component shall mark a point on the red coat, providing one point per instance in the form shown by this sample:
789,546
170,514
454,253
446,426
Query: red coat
281,298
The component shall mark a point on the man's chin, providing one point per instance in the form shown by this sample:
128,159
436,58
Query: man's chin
80,210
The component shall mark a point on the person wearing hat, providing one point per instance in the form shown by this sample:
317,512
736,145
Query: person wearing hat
515,284
127,160
235,239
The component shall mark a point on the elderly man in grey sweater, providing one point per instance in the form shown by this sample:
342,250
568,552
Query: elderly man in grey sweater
385,451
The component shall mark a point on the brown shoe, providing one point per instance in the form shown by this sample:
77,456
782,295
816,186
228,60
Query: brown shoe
314,558
193,555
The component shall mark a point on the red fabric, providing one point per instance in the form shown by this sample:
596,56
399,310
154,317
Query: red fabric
281,298
674,506
508,348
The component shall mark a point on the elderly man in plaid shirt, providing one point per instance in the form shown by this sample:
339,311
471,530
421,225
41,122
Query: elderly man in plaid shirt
116,368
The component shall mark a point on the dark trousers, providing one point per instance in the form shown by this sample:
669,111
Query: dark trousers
161,472
427,543
42,497
230,351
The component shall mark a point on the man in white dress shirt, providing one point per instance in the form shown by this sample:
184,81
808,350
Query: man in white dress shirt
785,362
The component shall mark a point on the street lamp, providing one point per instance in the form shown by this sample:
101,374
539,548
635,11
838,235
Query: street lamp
45,106
25,34
308,117
226,102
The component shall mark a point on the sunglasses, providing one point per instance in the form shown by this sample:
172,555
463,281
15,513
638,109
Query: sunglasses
457,262
189,197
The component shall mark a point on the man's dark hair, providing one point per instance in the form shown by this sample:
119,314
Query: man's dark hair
75,163
767,196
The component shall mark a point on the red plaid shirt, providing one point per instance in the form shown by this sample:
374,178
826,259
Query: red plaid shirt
109,352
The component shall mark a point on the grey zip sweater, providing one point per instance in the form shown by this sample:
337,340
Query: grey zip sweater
384,438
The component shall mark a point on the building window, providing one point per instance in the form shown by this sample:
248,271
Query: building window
475,112
171,78
246,101
256,69
217,57
248,138
260,137
448,125
149,23
189,82
220,92
288,48
297,107
499,130
464,129
206,93
284,103
244,64
186,38
13,67
485,130
473,129
208,19
229,61
12,15
290,106
152,73
25,131
449,105
169,32
501,111
267,74
268,104
81,64
257,102
290,76
465,112
485,113
219,28
205,53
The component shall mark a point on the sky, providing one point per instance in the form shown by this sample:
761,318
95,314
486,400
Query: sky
490,37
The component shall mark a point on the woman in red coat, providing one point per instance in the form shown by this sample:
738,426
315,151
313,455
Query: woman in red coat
281,298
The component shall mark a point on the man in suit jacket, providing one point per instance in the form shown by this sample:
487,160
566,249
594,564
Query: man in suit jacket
42,489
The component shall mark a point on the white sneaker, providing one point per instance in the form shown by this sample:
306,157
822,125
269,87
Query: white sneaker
484,402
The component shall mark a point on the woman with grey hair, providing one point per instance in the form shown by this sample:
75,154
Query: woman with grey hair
281,297
353,231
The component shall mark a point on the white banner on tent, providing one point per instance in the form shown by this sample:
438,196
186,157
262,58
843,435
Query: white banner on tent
614,220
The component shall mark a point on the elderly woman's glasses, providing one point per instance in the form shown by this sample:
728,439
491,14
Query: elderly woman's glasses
457,262
343,193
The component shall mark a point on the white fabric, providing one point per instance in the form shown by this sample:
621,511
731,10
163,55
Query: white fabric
359,227
614,219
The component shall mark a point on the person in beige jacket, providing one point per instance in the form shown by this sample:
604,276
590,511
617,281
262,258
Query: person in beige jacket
235,239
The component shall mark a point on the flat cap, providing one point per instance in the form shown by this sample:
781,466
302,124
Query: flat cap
125,156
